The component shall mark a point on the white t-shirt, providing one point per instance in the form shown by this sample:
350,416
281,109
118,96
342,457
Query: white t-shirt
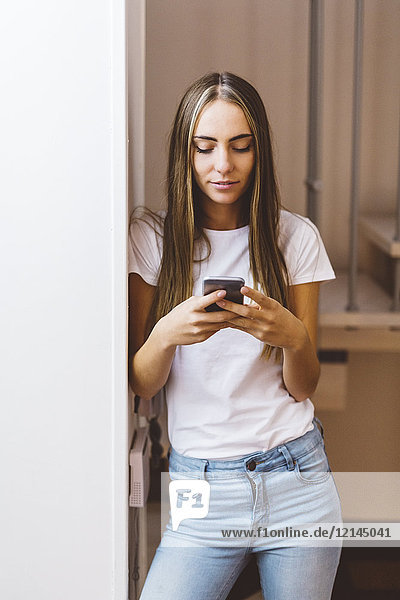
223,400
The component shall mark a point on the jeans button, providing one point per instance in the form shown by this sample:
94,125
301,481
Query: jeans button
251,465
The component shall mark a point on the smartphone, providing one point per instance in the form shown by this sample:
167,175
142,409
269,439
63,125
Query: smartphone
232,286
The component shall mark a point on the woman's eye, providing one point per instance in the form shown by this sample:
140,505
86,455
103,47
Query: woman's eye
203,150
246,149
209,150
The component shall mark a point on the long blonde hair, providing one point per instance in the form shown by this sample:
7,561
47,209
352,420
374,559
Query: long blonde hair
181,225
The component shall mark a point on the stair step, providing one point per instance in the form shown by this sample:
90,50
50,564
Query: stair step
373,302
381,230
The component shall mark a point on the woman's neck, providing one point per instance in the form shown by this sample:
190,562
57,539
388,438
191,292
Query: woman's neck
222,217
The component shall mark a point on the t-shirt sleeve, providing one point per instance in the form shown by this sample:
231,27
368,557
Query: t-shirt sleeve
144,250
306,256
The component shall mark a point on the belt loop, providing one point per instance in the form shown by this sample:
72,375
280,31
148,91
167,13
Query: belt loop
320,426
288,457
203,468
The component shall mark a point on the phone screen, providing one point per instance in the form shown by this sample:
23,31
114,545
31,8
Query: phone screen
232,286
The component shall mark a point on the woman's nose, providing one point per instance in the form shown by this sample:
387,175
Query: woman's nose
224,163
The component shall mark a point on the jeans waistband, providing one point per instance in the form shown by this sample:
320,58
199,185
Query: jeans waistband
260,461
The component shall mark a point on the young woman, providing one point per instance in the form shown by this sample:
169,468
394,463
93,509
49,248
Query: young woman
238,381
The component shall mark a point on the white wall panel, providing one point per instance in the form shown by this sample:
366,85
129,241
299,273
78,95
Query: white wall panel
63,201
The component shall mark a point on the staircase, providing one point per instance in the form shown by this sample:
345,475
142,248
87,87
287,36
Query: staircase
376,323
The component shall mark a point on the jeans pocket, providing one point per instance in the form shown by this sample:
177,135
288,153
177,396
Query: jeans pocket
313,467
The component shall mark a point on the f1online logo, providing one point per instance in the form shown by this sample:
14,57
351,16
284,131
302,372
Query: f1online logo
189,499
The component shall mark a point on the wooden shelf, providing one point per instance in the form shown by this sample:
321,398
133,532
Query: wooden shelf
374,327
380,230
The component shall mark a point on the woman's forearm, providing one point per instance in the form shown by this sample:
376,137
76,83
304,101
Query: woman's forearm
301,368
187,323
151,364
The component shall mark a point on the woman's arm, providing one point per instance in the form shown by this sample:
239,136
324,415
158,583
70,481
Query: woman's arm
294,330
301,367
188,323
150,362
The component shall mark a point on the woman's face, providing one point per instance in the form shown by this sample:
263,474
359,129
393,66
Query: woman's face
223,153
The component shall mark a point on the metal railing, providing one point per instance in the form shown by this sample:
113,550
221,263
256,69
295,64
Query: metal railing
355,155
314,176
314,169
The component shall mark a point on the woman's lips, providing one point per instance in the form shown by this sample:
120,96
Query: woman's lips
223,185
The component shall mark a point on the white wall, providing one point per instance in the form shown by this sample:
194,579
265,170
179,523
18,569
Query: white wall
63,301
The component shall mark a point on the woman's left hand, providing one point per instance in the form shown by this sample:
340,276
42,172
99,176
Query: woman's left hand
267,320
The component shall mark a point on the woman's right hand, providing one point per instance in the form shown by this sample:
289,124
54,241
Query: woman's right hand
189,322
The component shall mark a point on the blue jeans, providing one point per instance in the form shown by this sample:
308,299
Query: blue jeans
285,489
